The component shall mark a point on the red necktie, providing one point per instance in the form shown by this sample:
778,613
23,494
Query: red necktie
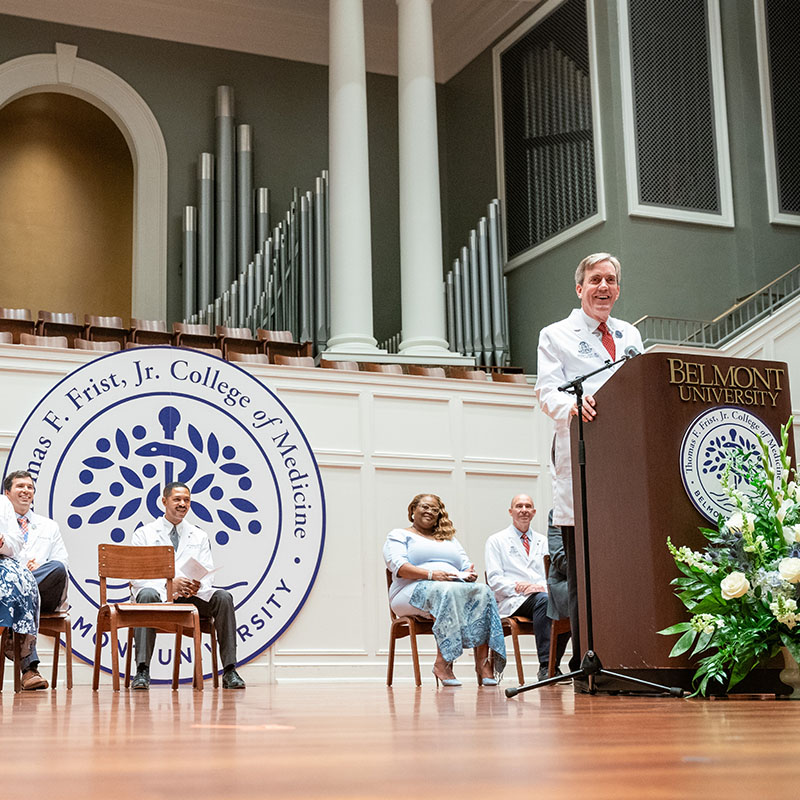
526,543
607,340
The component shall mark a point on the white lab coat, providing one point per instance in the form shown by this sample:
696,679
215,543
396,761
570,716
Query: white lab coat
567,349
9,530
192,543
44,542
507,564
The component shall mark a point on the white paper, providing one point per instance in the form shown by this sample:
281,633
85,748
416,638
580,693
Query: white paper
193,569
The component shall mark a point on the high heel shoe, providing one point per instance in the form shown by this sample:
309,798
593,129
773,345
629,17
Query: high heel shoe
445,681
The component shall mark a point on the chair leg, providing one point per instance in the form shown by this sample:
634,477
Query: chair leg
551,661
176,660
214,662
17,645
198,658
412,632
68,652
114,654
390,663
3,636
128,656
96,670
517,653
56,648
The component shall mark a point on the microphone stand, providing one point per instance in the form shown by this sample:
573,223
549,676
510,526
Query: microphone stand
591,665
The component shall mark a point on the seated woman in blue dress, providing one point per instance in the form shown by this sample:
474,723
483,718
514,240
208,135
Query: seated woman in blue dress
19,595
433,577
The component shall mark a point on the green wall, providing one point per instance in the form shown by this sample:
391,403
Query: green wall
286,102
669,269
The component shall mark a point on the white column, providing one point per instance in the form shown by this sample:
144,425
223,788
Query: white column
350,239
422,282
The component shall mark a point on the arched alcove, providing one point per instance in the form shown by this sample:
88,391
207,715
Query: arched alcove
64,72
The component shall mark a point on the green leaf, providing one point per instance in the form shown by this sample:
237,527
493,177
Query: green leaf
791,644
703,641
679,627
683,644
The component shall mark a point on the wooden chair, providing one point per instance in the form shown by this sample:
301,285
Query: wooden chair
6,337
468,374
187,334
56,623
143,563
149,331
52,624
515,627
509,377
431,372
410,626
248,358
370,366
58,323
237,340
43,341
101,346
350,365
282,343
105,329
16,321
209,351
294,361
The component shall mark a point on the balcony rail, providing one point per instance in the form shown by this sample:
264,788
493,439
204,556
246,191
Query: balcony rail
717,332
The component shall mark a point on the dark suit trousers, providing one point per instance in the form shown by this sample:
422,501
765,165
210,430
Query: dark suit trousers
535,609
220,606
568,535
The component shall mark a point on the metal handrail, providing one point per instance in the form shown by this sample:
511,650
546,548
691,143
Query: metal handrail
716,332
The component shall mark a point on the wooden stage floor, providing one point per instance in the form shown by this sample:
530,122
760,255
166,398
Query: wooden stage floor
364,740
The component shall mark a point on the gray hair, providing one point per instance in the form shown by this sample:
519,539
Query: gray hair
590,261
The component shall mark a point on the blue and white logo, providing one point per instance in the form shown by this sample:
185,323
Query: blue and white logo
709,440
102,444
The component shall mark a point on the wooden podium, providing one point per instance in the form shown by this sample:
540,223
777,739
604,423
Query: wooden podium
636,498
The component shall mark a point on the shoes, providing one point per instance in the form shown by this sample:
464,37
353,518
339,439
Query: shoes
232,680
445,681
141,680
543,673
31,680
488,681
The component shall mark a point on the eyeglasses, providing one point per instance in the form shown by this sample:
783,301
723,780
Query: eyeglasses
426,507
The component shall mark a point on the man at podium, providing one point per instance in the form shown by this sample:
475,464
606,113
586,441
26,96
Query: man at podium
588,338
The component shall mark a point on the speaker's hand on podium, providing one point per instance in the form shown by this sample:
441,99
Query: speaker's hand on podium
589,412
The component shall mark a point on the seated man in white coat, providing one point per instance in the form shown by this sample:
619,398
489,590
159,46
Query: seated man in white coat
189,542
44,554
515,573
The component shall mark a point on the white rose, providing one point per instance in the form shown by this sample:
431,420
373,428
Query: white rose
789,569
791,533
735,523
734,585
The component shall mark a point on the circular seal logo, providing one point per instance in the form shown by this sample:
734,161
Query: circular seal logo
707,443
105,440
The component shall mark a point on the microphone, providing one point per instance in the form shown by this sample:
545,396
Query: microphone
631,352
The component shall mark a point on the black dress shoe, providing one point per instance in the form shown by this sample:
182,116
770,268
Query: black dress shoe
232,680
542,676
141,680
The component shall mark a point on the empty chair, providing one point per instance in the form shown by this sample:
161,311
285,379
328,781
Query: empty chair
43,341
105,329
351,365
16,321
239,340
431,372
282,343
248,358
294,361
108,347
188,334
209,351
509,377
149,331
59,323
468,374
370,366
6,337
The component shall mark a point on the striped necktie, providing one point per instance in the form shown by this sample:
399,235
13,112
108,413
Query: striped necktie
526,543
23,523
174,537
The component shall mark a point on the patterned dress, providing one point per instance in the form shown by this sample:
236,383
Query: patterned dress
19,603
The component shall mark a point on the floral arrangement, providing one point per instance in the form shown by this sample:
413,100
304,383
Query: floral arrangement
743,588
